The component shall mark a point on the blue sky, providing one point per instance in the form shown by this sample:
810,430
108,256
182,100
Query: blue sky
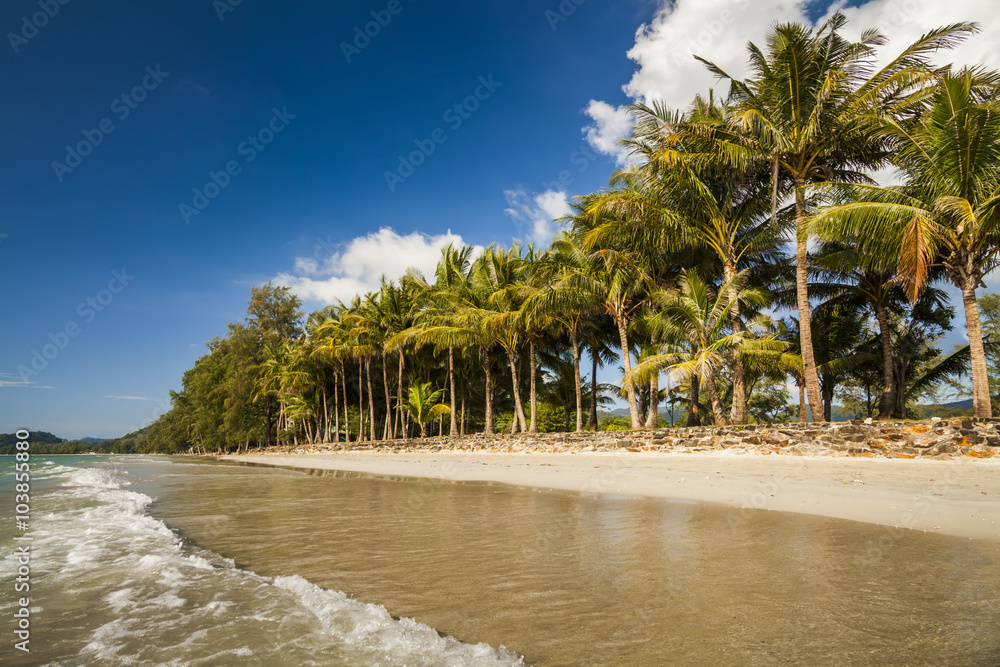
94,182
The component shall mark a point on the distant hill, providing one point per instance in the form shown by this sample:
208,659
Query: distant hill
43,442
33,436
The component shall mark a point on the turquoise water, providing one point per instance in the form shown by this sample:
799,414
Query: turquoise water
149,560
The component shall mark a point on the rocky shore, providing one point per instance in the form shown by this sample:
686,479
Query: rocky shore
934,439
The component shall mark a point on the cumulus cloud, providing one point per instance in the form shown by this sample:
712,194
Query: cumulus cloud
341,271
611,124
718,30
534,216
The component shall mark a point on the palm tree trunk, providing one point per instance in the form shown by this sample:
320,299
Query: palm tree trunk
887,404
654,391
398,422
347,421
518,409
533,426
488,425
713,393
633,408
462,420
326,418
802,402
802,300
827,389
694,418
361,402
336,408
576,379
738,413
371,398
387,431
593,389
981,407
451,378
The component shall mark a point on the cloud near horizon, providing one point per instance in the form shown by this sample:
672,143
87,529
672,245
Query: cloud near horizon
718,30
342,271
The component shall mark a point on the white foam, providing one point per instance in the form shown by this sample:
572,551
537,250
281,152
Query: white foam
175,604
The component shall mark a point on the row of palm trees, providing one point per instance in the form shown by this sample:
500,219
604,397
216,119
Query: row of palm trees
680,260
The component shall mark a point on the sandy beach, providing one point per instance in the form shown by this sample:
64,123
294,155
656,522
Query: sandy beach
959,498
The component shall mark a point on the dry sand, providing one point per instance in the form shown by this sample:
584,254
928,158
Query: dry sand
960,497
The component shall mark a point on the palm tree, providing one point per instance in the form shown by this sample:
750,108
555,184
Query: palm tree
809,110
423,405
695,324
692,204
500,275
947,213
558,300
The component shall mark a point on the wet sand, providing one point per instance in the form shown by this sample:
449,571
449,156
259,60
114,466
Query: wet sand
959,497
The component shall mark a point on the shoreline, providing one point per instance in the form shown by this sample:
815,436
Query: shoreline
960,498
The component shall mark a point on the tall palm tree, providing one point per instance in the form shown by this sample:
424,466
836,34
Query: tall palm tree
809,109
694,324
561,302
948,211
690,204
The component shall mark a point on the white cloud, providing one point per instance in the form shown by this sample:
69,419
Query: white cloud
131,398
10,380
534,216
611,125
718,30
355,267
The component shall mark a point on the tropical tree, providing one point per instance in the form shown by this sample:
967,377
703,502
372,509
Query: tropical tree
423,405
694,322
947,213
809,110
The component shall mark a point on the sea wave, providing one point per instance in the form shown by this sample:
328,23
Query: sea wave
118,586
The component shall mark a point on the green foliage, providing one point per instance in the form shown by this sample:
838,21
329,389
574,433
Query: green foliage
422,405
770,404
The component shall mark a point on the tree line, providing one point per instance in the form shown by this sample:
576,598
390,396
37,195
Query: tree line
761,201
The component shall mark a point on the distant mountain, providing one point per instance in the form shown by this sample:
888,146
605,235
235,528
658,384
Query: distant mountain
93,441
33,437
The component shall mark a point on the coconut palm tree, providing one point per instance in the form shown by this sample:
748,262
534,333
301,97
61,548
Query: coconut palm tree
694,323
558,300
947,213
809,110
692,204
423,406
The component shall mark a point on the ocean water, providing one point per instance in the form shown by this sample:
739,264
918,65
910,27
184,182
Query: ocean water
112,585
149,560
